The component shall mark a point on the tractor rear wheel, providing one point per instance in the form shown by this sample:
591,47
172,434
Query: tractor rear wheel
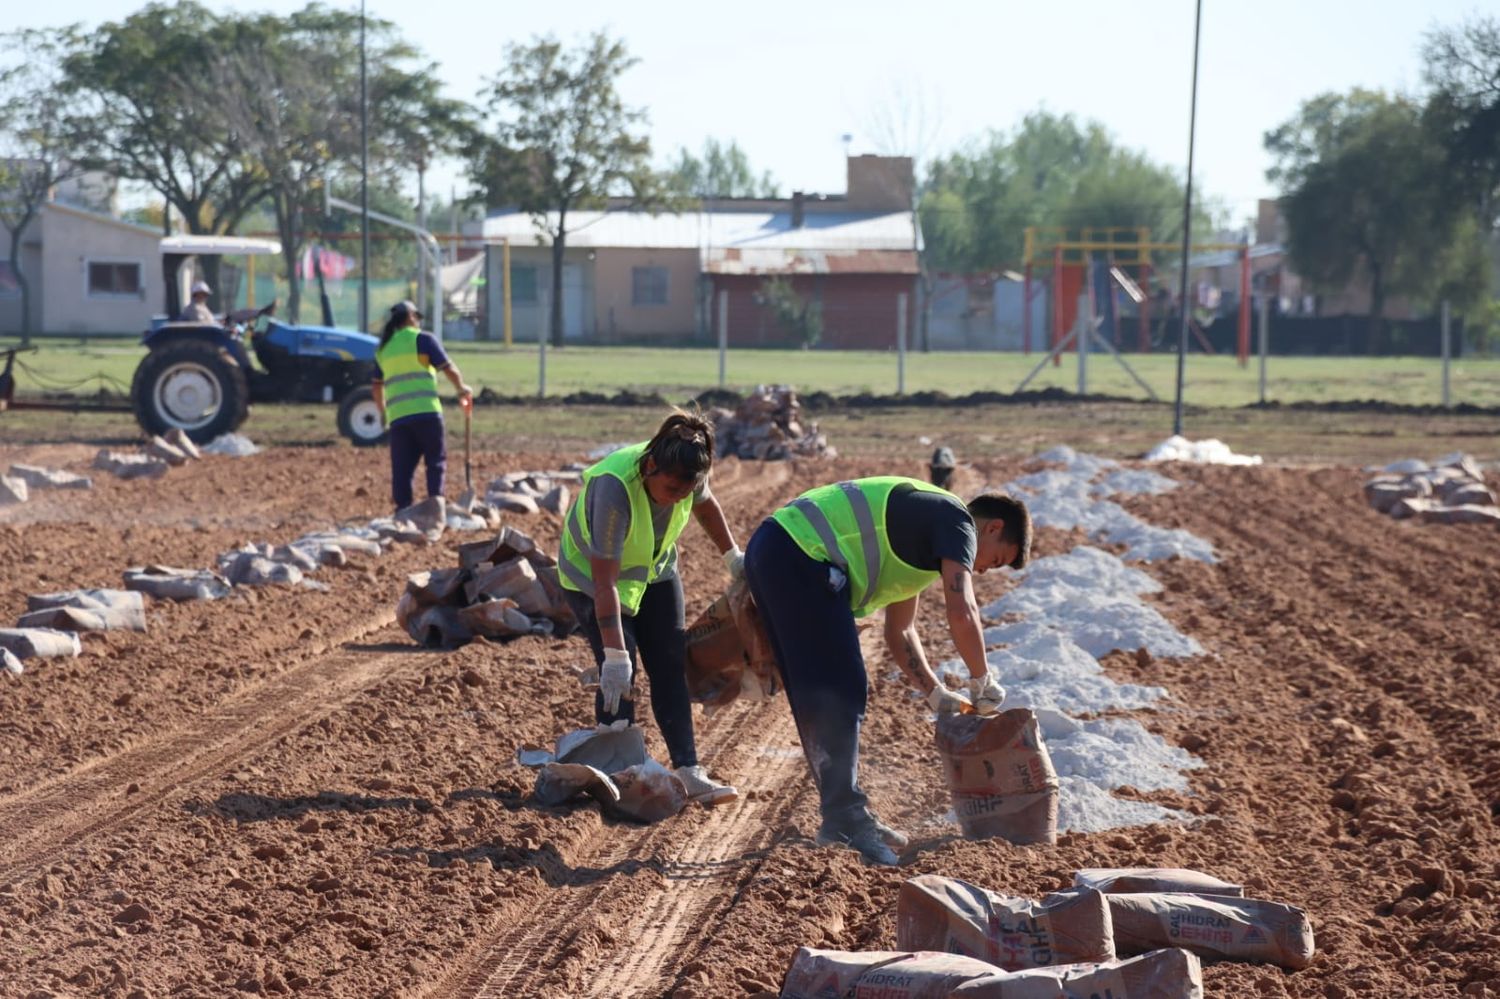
191,384
360,419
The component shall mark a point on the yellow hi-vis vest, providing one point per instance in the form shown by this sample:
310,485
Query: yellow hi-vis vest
844,523
410,386
641,561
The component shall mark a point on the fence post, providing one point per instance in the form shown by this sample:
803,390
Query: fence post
541,346
1265,336
723,334
1447,356
901,343
1085,326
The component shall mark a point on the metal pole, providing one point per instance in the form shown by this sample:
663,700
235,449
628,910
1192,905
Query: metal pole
1057,300
723,335
541,348
1265,337
505,289
1026,312
1187,225
901,343
1447,355
1085,324
364,181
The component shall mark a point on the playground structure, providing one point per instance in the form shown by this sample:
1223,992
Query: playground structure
1091,266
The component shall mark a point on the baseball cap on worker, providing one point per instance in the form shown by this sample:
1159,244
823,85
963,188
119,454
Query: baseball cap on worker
405,311
200,288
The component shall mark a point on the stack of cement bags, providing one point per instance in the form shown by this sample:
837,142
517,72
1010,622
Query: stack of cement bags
501,588
767,426
152,461
1129,933
85,610
1450,491
529,492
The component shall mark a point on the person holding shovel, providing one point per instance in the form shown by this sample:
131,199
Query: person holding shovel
406,390
618,570
841,552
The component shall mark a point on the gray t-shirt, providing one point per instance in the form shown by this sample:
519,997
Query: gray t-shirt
607,510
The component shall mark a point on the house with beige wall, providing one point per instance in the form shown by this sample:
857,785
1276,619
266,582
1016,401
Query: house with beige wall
630,276
90,274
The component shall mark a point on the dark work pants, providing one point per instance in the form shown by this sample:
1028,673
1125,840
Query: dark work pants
413,439
816,644
658,630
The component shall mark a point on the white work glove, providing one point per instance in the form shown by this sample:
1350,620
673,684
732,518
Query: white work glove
614,678
734,562
945,701
986,694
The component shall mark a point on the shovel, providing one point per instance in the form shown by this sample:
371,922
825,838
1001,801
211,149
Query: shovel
466,498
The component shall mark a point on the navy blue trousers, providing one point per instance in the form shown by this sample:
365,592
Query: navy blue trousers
413,439
812,633
659,632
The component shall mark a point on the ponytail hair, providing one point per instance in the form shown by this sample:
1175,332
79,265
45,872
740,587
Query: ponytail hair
683,446
391,326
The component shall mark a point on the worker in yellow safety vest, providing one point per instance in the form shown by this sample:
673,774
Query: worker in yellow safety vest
840,552
619,573
406,390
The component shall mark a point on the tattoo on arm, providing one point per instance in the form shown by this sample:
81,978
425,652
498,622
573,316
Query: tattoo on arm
956,581
609,621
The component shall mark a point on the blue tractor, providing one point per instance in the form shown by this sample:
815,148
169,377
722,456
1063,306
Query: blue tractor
202,377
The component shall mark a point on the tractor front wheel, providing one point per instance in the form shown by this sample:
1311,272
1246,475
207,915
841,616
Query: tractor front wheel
192,385
360,419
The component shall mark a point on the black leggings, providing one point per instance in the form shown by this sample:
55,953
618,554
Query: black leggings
659,630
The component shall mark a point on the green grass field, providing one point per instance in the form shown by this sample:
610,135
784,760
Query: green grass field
679,373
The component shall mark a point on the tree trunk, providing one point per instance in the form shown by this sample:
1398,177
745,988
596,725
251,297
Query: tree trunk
559,245
288,218
15,267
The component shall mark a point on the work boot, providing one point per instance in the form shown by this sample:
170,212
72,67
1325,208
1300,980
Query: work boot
893,838
865,838
704,789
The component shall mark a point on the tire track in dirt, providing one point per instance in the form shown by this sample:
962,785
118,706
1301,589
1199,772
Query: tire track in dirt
700,879
706,870
45,822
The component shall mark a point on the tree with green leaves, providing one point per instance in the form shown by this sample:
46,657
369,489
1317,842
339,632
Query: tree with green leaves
1364,194
721,170
799,316
1462,70
290,89
40,141
1050,171
141,84
563,140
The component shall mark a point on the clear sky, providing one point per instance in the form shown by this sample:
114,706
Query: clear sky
787,80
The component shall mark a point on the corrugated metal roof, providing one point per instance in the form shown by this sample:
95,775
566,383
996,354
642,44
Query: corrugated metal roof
760,260
705,231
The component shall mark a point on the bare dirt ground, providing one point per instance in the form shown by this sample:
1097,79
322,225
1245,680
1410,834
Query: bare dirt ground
277,794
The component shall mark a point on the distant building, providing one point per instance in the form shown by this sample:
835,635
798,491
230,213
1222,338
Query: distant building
633,277
89,274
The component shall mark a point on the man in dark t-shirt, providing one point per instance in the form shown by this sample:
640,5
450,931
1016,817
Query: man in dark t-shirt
843,551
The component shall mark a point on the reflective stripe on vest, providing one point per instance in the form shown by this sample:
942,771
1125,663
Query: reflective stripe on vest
844,524
410,386
641,561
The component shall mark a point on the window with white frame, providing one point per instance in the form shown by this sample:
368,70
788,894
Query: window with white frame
648,286
114,279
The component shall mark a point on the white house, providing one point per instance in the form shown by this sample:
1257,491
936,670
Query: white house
89,274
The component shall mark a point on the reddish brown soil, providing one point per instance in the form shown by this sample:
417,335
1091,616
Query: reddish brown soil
276,793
